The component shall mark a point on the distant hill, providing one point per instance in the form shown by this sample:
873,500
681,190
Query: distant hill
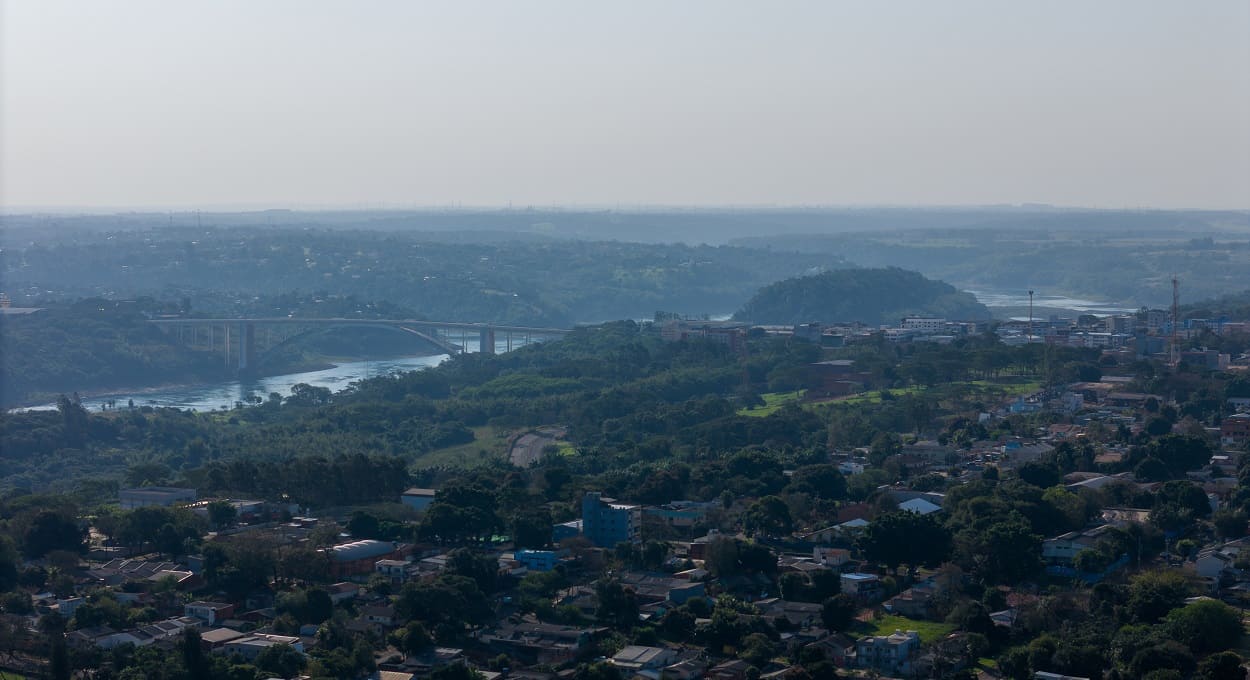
1235,307
871,296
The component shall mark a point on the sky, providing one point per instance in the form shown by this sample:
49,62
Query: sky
380,103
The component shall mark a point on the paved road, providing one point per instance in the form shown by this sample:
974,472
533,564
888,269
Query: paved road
528,448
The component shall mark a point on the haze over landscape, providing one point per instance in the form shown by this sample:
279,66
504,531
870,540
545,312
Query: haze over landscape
624,341
304,104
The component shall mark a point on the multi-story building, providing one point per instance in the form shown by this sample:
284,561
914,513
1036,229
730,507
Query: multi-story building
924,324
888,653
606,522
1235,429
862,587
149,496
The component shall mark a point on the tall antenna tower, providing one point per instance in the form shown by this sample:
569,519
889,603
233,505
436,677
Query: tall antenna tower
1174,357
1030,316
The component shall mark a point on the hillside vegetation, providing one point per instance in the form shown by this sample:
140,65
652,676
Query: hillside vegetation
871,296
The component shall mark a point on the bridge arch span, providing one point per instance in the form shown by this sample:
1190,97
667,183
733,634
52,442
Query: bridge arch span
270,352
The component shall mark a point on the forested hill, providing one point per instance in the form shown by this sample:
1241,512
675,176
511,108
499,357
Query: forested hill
1232,306
539,284
871,296
90,345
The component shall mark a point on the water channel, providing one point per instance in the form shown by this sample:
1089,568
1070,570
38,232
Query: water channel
216,395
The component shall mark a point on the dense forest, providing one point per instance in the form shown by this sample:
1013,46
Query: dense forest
546,283
870,296
88,345
1100,263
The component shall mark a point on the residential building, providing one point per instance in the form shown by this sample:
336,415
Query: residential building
1062,549
635,658
537,560
541,643
1235,429
606,522
208,612
395,570
924,324
249,647
158,496
888,653
863,587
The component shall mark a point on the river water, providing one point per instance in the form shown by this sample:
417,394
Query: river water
213,396
216,395
1016,300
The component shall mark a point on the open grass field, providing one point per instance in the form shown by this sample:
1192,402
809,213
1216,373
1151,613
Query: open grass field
486,438
928,630
772,402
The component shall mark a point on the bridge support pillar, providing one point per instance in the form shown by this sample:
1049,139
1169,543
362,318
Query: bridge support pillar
486,341
247,346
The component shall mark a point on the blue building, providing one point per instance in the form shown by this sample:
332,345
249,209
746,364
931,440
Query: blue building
564,530
537,560
606,522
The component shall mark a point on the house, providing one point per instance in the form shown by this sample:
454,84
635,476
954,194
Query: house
831,557
689,669
635,658
208,612
1062,549
343,591
888,653
649,588
838,648
563,530
250,646
537,560
541,643
417,499
1235,429
798,614
916,602
1212,562
216,638
395,570
425,663
862,587
154,496
734,669
379,615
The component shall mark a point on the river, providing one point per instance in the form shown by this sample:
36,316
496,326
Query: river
1000,300
215,395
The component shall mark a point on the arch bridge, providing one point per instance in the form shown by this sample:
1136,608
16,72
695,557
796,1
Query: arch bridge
247,343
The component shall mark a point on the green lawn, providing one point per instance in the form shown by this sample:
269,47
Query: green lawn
772,402
928,630
486,438
874,396
1007,388
565,449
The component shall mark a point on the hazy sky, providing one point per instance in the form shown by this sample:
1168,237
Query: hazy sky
304,103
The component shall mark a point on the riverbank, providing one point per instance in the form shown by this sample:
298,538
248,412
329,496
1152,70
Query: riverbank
225,393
